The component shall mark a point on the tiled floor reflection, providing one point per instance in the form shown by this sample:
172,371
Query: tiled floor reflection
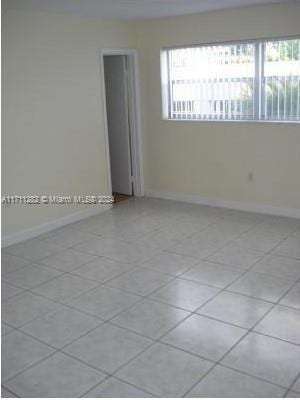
154,298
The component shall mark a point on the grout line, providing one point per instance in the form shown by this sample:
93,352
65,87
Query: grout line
131,267
249,331
29,367
109,374
60,301
273,337
94,386
243,274
143,297
121,380
8,390
114,315
172,279
42,283
219,364
129,383
59,348
155,341
84,362
144,335
85,263
147,297
292,384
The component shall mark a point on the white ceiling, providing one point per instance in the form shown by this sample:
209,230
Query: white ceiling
131,9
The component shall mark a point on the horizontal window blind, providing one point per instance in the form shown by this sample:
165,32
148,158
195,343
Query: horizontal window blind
236,81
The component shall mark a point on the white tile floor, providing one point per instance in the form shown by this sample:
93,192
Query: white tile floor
154,298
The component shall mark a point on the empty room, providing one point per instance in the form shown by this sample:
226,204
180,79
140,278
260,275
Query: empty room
150,199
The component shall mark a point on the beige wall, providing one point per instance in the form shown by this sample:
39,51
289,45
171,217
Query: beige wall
52,122
214,159
52,128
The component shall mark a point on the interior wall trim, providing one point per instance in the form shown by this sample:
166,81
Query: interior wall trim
232,204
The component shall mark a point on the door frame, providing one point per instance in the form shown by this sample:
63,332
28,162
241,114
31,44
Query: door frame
135,118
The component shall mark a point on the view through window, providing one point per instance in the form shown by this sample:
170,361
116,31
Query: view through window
257,80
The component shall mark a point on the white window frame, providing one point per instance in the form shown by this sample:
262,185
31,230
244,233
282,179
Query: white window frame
259,92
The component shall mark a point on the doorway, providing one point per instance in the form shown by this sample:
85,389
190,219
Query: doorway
122,120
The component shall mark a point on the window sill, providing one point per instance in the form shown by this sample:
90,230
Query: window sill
297,123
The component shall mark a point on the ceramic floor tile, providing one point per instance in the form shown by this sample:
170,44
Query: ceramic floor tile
58,376
279,266
20,351
164,371
31,276
194,248
103,225
24,308
10,263
141,281
136,229
118,250
102,269
152,247
65,287
260,241
104,302
5,329
218,235
66,237
292,394
6,394
185,294
235,309
171,233
277,231
263,286
108,347
296,385
99,246
212,274
234,256
150,318
230,228
292,298
282,323
170,263
114,388
68,260
8,291
32,249
61,327
204,337
223,382
289,247
284,225
271,359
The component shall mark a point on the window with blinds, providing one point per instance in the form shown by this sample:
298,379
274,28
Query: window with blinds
281,80
256,80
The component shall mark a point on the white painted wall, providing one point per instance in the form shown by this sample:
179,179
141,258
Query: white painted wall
53,132
213,160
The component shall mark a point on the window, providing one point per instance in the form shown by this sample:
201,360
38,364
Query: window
281,80
255,80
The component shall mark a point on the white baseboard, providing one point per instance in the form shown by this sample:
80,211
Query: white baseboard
188,198
51,225
235,205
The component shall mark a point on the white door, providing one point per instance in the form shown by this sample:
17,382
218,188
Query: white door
116,90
